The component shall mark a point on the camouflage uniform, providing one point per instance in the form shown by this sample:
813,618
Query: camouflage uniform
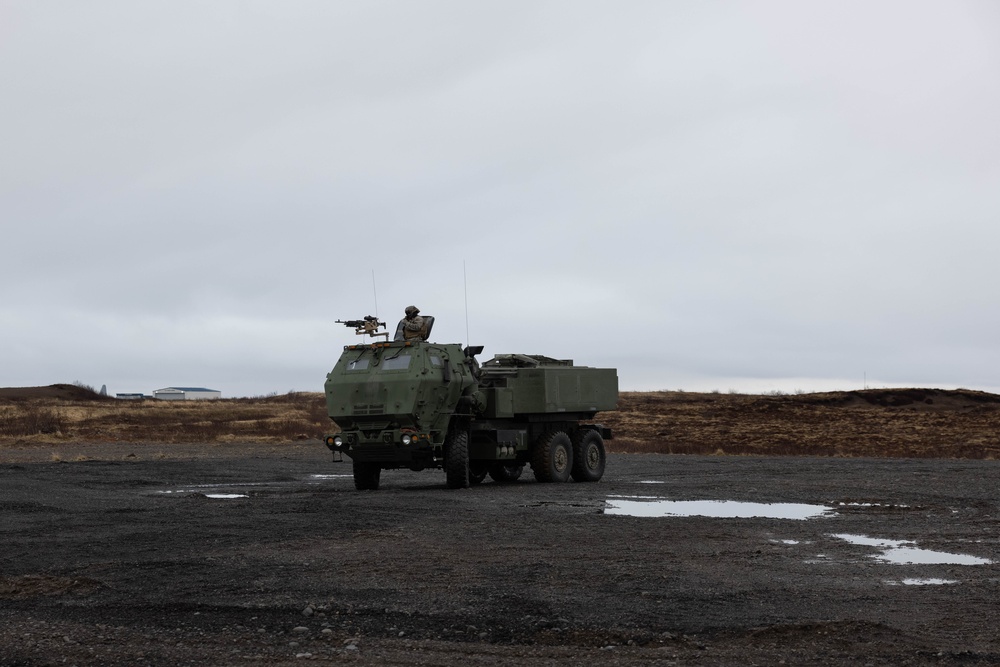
413,324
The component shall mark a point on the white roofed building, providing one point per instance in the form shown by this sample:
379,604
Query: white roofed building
186,394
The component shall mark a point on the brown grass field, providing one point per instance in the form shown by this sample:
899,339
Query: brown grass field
918,423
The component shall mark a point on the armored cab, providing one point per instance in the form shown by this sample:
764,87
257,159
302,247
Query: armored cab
416,404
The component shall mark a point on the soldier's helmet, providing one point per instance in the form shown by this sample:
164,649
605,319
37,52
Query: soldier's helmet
412,310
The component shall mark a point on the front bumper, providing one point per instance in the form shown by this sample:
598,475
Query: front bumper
390,448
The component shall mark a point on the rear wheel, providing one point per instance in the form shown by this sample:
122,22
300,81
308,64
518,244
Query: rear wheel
506,473
456,458
552,458
588,455
477,472
366,476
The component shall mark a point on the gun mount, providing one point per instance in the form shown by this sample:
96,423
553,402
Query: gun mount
369,326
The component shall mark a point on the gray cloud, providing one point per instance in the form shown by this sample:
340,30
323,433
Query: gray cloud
707,195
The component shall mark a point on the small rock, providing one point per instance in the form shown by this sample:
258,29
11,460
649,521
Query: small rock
308,611
327,631
300,628
351,647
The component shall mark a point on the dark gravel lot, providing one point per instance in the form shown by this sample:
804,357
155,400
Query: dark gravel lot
131,562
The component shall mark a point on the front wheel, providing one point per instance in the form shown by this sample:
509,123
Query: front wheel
552,458
456,458
366,476
588,455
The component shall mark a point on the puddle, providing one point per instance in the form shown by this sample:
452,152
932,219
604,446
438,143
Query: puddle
198,488
219,490
903,552
722,509
923,582
652,481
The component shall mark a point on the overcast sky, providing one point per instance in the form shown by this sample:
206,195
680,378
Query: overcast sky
749,196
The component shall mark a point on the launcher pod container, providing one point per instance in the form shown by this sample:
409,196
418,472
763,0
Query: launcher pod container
417,405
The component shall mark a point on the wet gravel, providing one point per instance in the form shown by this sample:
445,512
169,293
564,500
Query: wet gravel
274,558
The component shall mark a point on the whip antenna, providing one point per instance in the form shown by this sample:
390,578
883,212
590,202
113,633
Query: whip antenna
375,292
465,284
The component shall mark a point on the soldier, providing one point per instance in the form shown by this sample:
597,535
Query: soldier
412,325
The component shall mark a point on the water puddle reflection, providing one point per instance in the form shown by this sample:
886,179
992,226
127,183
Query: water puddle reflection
723,509
199,488
227,490
903,552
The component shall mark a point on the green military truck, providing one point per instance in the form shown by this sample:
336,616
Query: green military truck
418,405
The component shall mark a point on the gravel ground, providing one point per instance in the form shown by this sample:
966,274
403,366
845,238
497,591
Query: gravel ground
123,560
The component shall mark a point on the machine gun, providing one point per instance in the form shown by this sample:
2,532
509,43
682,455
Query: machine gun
368,326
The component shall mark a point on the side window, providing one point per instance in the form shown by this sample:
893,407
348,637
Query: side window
358,365
436,361
400,363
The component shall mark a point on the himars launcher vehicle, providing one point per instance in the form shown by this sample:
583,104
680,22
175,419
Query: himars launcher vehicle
415,404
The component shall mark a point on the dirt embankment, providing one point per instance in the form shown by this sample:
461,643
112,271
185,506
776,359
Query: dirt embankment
61,414
912,423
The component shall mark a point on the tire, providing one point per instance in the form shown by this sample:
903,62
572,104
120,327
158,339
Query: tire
477,472
456,458
506,473
366,476
552,458
589,457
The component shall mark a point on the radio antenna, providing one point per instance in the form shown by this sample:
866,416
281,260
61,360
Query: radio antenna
465,284
375,292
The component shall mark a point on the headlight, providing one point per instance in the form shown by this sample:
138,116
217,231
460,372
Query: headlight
407,439
338,441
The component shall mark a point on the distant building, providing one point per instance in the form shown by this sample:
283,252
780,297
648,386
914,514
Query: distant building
186,394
